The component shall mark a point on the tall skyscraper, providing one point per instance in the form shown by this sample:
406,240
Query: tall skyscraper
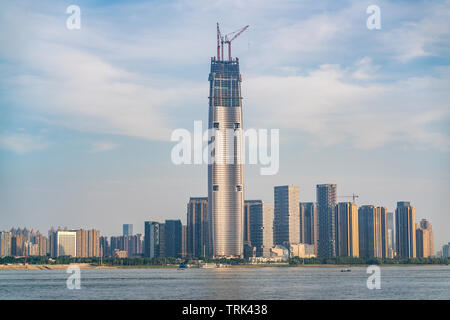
184,241
5,243
152,239
446,250
127,229
373,236
390,234
309,224
286,223
261,218
405,230
246,225
88,243
347,232
424,239
326,203
198,235
226,169
66,243
173,238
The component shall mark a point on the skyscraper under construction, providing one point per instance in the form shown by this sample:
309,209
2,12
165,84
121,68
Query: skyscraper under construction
225,168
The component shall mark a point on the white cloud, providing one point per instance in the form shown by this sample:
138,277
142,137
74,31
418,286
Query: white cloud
22,143
102,146
327,107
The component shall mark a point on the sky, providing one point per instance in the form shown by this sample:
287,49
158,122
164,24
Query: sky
86,115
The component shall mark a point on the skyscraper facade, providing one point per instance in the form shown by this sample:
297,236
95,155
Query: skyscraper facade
390,234
405,230
66,243
88,243
225,168
373,237
424,239
347,232
5,243
198,235
309,224
152,239
261,217
127,229
326,203
173,238
286,223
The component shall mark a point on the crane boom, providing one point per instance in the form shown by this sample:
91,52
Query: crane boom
221,40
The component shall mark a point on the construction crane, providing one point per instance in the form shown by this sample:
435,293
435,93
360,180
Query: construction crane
354,196
222,40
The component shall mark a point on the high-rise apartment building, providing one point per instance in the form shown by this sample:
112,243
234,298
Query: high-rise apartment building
88,243
225,168
286,223
424,239
309,224
198,233
173,238
347,232
326,203
390,234
261,216
405,230
184,241
66,243
373,235
5,243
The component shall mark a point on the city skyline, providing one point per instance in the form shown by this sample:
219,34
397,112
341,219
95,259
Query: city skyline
86,118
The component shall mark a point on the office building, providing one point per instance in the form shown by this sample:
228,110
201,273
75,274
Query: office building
347,232
225,168
326,202
286,224
154,233
373,235
405,231
261,217
309,224
173,238
127,230
198,233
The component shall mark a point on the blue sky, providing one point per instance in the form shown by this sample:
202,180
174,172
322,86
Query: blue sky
86,115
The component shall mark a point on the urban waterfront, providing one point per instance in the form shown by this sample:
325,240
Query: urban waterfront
299,283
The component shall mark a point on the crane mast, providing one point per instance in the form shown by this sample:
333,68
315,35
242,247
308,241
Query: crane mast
227,39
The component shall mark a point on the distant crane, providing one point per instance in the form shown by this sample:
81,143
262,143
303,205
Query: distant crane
354,196
221,40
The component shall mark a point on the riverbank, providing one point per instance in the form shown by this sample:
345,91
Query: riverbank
277,265
52,266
